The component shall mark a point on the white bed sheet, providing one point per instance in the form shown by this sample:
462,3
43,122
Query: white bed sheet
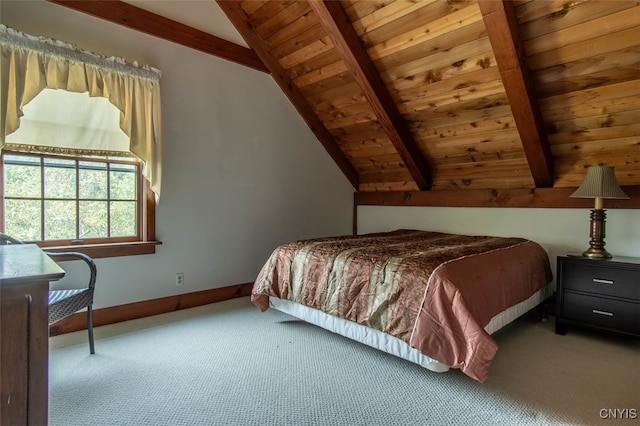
393,345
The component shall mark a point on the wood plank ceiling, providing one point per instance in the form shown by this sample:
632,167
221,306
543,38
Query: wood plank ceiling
444,96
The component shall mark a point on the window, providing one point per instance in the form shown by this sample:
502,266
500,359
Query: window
71,200
61,200
80,146
68,178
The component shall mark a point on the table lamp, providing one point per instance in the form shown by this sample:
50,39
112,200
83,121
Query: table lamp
600,183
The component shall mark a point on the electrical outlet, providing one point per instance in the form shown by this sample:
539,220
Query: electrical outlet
180,278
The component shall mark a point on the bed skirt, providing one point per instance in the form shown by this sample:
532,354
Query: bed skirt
390,344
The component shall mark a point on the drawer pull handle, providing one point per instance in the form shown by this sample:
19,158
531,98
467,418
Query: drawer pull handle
601,281
608,314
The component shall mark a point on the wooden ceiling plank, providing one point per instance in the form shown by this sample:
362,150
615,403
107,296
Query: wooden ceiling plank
501,23
429,31
580,75
240,21
608,119
150,23
309,36
599,46
345,112
455,97
307,53
625,145
567,14
322,73
360,130
360,136
423,17
612,94
319,62
615,22
596,135
463,133
529,11
425,89
344,37
470,142
289,31
453,57
572,169
358,151
261,13
344,97
332,83
342,122
441,121
460,110
286,15
453,41
388,13
510,170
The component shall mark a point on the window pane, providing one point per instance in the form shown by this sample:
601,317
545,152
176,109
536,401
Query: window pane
22,219
93,180
123,182
59,178
93,219
22,180
123,218
59,220
57,198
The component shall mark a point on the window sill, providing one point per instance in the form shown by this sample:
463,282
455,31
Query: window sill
110,250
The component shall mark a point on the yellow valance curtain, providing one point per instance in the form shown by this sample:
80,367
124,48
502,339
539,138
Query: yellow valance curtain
32,64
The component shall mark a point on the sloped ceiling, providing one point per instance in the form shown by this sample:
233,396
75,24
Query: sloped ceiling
465,102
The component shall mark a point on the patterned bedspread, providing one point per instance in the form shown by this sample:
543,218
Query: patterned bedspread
435,291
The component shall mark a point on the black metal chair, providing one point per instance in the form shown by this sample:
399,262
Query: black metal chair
63,303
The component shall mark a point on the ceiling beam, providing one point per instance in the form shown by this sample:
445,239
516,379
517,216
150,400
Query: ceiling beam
349,46
150,23
502,28
530,198
241,22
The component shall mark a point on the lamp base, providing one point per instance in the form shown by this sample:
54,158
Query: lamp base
596,243
596,253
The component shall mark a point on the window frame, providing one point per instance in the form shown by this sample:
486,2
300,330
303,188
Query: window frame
144,243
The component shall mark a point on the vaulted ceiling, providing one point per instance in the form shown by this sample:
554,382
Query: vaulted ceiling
475,98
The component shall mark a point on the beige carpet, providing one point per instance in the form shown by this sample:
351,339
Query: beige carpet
229,364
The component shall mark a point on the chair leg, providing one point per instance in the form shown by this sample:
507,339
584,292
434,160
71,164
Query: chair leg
92,348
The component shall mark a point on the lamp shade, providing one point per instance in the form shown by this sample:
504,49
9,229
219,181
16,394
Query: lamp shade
600,183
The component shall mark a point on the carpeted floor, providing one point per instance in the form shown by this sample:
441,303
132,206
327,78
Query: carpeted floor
229,364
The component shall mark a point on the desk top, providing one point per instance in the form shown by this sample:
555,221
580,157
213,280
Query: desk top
22,263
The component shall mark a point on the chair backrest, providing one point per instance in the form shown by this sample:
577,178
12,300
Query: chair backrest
70,255
6,240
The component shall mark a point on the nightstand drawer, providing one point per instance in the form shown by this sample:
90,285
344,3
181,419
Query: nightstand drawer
602,312
602,279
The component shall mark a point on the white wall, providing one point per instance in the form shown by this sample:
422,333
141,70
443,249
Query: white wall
241,170
561,231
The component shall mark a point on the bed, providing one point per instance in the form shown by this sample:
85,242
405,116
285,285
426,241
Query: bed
431,298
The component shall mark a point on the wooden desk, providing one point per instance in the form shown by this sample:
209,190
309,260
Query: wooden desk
25,273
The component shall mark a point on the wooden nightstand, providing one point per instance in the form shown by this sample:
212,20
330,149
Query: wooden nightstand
598,293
